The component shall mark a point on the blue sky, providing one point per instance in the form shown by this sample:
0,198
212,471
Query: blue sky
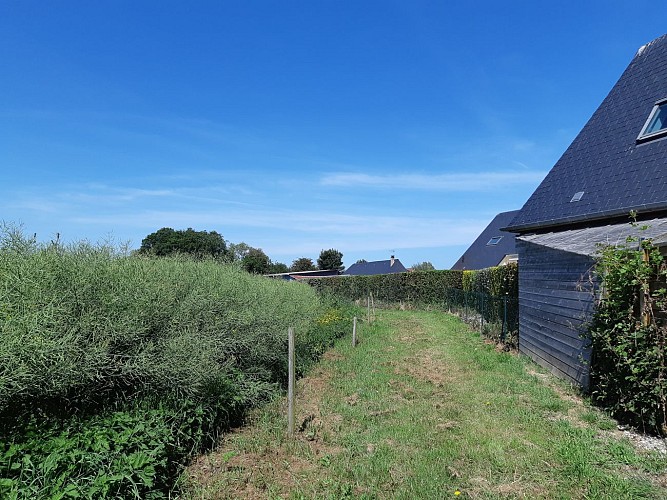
370,127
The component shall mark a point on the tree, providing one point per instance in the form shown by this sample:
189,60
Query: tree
302,264
237,251
278,267
361,261
423,266
330,259
167,241
256,261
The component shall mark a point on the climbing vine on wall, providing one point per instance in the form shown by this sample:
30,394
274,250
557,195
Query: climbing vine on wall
628,335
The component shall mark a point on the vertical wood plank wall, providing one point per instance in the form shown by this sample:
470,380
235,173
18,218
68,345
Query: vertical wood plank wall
555,301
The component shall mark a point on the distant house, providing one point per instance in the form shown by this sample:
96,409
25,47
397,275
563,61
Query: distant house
493,247
299,275
617,164
390,266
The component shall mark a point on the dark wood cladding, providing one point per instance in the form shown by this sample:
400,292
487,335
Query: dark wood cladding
555,302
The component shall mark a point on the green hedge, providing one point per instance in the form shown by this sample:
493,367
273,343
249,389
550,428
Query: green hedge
420,287
494,281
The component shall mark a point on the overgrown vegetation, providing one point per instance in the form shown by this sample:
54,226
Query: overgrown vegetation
116,368
628,335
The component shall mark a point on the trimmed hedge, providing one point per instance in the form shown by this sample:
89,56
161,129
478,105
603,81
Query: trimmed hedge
495,281
420,287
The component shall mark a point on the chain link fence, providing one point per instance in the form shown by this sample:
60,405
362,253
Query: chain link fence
497,318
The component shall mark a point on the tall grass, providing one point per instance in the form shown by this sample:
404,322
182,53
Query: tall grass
90,333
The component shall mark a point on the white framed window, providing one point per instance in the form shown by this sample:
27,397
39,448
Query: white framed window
656,124
495,240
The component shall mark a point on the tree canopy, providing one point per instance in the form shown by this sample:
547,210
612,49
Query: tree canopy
278,267
256,261
237,251
423,266
167,241
302,264
330,259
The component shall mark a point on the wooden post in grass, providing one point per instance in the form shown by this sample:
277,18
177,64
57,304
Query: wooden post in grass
354,332
290,382
369,308
373,307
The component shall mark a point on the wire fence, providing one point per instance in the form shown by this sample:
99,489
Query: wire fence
494,317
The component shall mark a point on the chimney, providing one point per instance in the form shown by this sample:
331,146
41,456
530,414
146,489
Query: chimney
391,261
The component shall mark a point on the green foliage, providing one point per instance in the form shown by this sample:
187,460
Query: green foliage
134,453
166,241
236,251
255,261
330,259
495,281
423,287
423,266
302,264
150,355
278,268
628,336
84,323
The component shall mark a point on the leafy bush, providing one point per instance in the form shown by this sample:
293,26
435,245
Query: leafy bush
135,453
83,323
91,339
629,336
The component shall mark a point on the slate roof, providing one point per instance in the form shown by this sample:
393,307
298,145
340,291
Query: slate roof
375,267
605,161
480,255
587,241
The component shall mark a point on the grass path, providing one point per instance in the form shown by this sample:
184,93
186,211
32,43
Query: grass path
423,408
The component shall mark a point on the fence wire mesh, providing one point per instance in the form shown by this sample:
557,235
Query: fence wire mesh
494,317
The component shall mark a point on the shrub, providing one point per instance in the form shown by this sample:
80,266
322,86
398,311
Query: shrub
628,336
149,355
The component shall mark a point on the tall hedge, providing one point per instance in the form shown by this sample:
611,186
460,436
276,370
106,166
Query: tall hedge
423,287
496,281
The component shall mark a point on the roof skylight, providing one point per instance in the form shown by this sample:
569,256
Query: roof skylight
656,125
495,240
577,196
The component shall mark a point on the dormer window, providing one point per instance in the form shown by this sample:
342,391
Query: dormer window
656,125
494,241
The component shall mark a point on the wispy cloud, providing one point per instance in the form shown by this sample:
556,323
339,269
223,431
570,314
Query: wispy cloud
479,181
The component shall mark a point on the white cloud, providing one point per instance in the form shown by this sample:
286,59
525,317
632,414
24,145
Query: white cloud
479,181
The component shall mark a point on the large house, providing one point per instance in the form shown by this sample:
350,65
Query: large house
616,165
493,247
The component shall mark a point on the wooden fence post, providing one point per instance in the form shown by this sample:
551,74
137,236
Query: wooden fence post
354,332
290,382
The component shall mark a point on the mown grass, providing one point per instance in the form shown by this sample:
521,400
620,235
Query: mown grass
423,408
